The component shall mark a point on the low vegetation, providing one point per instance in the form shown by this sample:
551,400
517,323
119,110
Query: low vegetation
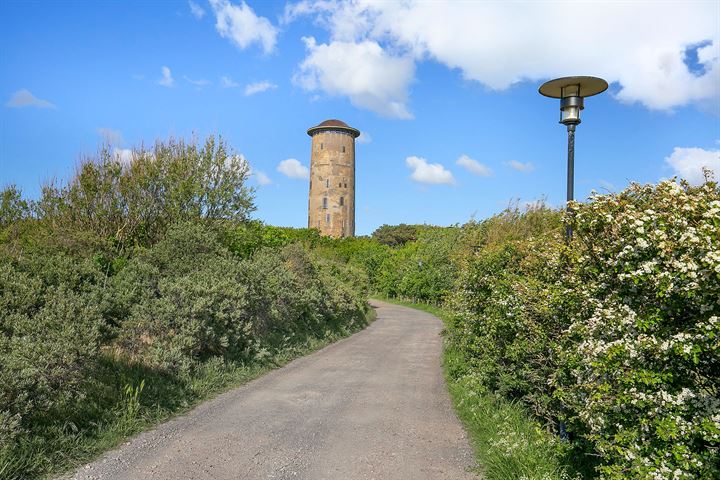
137,290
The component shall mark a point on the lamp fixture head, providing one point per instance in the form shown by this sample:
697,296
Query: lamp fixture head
571,91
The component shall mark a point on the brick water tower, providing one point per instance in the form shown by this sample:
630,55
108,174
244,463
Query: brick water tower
331,206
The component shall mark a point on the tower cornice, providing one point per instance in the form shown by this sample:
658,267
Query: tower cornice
333,124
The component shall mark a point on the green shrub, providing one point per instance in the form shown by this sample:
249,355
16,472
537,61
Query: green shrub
148,270
48,345
616,335
641,362
509,310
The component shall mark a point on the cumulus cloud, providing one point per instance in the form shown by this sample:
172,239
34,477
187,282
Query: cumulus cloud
363,71
167,79
196,10
23,98
647,60
261,177
294,169
474,166
688,163
110,136
227,82
424,172
526,167
240,25
259,87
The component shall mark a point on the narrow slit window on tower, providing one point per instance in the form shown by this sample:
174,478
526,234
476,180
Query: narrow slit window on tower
346,185
340,184
343,148
327,183
342,201
321,146
327,218
325,203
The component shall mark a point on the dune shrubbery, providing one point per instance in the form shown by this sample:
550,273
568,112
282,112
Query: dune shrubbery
137,289
613,340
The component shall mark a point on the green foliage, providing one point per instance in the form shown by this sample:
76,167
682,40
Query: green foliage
614,337
134,203
396,235
640,361
509,308
249,237
422,269
138,289
13,208
50,335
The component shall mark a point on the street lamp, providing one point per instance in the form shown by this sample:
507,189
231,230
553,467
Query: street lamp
571,91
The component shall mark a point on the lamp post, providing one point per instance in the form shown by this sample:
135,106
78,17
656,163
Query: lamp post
571,91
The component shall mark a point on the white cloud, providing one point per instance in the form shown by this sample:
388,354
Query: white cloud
520,166
474,166
688,163
196,10
23,98
110,136
425,172
293,169
646,58
227,82
261,178
364,72
198,83
240,25
167,79
259,87
364,137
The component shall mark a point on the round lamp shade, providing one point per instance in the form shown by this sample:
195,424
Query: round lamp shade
589,86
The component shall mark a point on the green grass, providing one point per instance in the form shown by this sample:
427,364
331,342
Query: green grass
124,399
509,444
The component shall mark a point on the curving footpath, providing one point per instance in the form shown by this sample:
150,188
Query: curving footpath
372,406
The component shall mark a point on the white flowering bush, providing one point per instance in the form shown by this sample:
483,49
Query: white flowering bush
612,339
640,362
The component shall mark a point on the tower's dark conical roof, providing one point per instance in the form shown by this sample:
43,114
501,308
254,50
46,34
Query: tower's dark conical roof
334,124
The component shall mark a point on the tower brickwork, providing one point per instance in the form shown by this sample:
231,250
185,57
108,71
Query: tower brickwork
331,204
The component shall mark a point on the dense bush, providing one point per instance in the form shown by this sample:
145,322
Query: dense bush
50,334
421,270
129,203
397,235
148,270
641,360
614,336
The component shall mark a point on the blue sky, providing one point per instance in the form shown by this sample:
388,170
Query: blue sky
426,83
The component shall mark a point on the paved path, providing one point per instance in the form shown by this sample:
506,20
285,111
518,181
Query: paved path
372,406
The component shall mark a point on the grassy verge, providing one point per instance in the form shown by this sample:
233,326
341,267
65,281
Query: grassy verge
125,399
509,444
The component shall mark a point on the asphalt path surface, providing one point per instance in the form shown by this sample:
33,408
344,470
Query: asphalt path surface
372,406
